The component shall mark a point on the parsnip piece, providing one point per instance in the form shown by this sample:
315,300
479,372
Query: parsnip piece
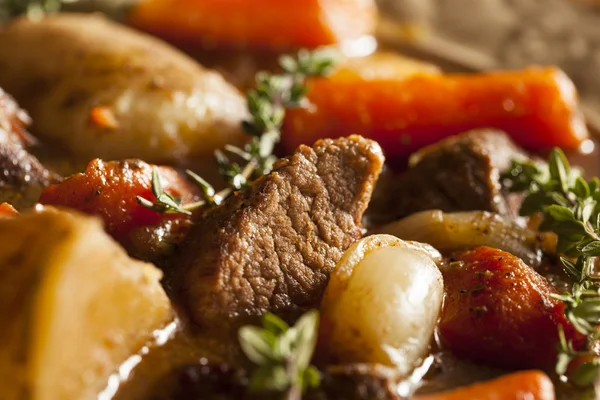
74,306
382,303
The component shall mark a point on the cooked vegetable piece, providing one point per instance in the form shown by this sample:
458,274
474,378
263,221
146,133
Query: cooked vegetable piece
537,107
75,305
530,385
382,303
109,190
499,311
450,232
263,24
103,90
6,210
272,247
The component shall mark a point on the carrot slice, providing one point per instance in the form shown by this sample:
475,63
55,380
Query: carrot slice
532,385
7,210
263,24
537,107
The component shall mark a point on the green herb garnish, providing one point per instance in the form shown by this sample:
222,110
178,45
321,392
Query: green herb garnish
571,208
33,8
282,355
267,104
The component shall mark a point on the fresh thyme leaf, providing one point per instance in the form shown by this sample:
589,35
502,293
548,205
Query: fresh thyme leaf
165,203
282,354
34,8
267,104
570,208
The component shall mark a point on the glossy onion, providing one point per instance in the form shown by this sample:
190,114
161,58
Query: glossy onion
467,230
382,303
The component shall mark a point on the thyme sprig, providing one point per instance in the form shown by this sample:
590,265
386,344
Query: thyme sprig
571,208
267,104
34,8
282,355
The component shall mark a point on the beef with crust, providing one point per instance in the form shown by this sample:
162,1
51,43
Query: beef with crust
22,176
272,247
220,382
13,121
460,173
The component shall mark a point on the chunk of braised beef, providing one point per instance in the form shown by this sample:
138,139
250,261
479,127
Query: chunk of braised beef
13,122
22,176
272,247
221,382
357,382
460,173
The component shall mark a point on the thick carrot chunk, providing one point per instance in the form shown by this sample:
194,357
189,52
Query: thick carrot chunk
537,107
499,311
6,210
109,189
531,385
258,24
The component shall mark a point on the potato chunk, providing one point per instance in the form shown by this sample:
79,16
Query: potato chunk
102,90
74,306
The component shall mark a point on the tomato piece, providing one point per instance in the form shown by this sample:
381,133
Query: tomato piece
499,311
109,189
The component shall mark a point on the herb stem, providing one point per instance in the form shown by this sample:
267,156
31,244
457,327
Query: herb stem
267,104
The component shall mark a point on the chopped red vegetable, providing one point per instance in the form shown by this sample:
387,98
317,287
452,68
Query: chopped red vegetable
109,189
499,311
537,107
258,24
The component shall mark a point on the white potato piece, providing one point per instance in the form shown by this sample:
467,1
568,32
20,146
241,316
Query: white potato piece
100,89
74,306
382,303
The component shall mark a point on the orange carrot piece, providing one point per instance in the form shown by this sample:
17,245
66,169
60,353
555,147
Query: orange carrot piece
7,210
258,24
537,107
531,385
103,117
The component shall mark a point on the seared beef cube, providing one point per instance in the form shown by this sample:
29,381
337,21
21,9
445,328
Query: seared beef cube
460,173
272,247
13,121
220,382
22,176
357,382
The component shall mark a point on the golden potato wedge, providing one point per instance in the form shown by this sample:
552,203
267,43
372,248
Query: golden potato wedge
74,306
102,90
